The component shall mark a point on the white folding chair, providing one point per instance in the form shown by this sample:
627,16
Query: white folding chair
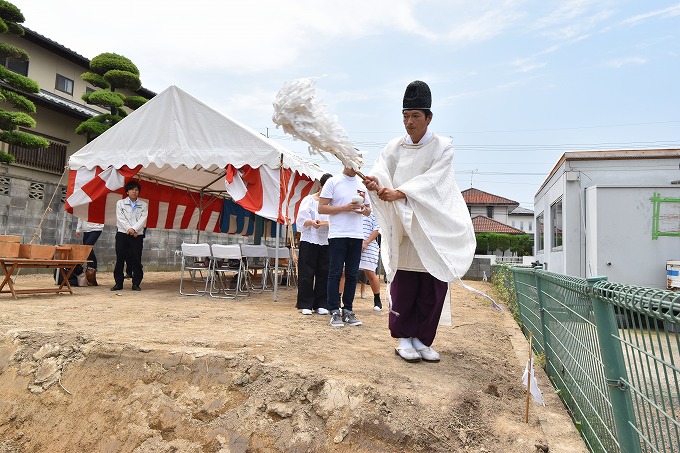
228,272
284,259
196,261
256,260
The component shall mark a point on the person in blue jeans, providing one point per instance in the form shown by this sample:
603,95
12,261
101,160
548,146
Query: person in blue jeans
343,198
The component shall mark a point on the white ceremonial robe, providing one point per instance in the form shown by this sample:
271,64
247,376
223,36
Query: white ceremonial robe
431,229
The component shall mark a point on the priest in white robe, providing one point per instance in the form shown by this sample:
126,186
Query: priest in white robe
428,238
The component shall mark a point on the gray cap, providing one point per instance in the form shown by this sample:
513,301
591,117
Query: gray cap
417,96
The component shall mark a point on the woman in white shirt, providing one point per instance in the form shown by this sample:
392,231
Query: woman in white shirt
313,256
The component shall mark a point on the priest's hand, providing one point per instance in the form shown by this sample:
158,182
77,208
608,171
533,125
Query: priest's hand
386,194
371,183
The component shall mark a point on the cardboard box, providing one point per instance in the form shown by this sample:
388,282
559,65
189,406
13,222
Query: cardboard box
12,239
35,251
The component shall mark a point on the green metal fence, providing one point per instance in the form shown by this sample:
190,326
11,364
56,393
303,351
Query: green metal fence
612,353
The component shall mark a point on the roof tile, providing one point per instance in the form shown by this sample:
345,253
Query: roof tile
483,224
474,196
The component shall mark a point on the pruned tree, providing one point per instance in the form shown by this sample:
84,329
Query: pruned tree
13,86
110,71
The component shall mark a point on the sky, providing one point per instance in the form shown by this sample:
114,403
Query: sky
515,84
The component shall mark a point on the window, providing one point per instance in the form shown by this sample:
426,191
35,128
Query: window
489,212
521,225
539,233
513,224
556,223
64,84
531,225
18,66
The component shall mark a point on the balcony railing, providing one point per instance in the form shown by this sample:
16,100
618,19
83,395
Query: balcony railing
51,159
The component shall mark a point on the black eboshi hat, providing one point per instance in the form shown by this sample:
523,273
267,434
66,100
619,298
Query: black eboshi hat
417,96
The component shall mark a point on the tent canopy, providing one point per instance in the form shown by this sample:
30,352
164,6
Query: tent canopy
184,148
180,141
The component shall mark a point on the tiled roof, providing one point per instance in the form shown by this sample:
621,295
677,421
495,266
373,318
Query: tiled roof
476,196
76,107
521,211
483,224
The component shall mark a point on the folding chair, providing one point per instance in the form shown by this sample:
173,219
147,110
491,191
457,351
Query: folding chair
284,259
227,262
196,261
256,259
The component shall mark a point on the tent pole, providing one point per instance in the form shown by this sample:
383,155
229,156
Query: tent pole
276,264
200,213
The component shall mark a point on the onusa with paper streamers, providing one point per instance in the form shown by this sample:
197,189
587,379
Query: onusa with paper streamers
299,112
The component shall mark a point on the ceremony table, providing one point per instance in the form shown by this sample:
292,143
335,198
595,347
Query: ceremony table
11,267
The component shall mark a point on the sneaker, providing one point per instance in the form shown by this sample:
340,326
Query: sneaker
306,311
349,318
377,308
336,319
322,311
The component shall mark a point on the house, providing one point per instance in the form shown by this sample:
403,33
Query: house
611,213
488,205
522,219
491,214
60,108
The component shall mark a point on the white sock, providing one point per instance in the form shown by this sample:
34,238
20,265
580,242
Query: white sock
418,344
405,343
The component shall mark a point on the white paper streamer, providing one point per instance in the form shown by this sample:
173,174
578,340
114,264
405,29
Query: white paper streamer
300,113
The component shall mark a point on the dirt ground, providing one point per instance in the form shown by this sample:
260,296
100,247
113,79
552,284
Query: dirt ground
153,371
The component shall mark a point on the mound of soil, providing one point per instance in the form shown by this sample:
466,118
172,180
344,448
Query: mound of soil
153,371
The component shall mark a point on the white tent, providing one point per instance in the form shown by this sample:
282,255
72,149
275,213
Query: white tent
186,155
183,146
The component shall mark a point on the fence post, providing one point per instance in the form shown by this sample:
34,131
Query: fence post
614,371
541,312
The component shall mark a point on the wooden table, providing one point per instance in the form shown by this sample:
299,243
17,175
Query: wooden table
11,266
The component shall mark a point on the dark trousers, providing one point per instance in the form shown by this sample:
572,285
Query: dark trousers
343,253
89,238
418,297
312,276
128,248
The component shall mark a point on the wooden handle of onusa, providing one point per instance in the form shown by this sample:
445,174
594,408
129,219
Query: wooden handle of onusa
361,175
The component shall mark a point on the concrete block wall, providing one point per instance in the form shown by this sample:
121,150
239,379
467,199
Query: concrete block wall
22,208
481,266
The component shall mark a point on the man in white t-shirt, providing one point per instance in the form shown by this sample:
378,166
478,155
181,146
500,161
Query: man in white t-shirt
343,198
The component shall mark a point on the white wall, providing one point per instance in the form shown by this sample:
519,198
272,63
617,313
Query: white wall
522,222
619,235
570,181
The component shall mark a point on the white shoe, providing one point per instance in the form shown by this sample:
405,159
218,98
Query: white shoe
408,354
306,311
322,311
406,351
428,354
376,308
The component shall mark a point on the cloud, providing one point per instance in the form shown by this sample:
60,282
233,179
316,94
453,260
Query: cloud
574,20
621,62
671,11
